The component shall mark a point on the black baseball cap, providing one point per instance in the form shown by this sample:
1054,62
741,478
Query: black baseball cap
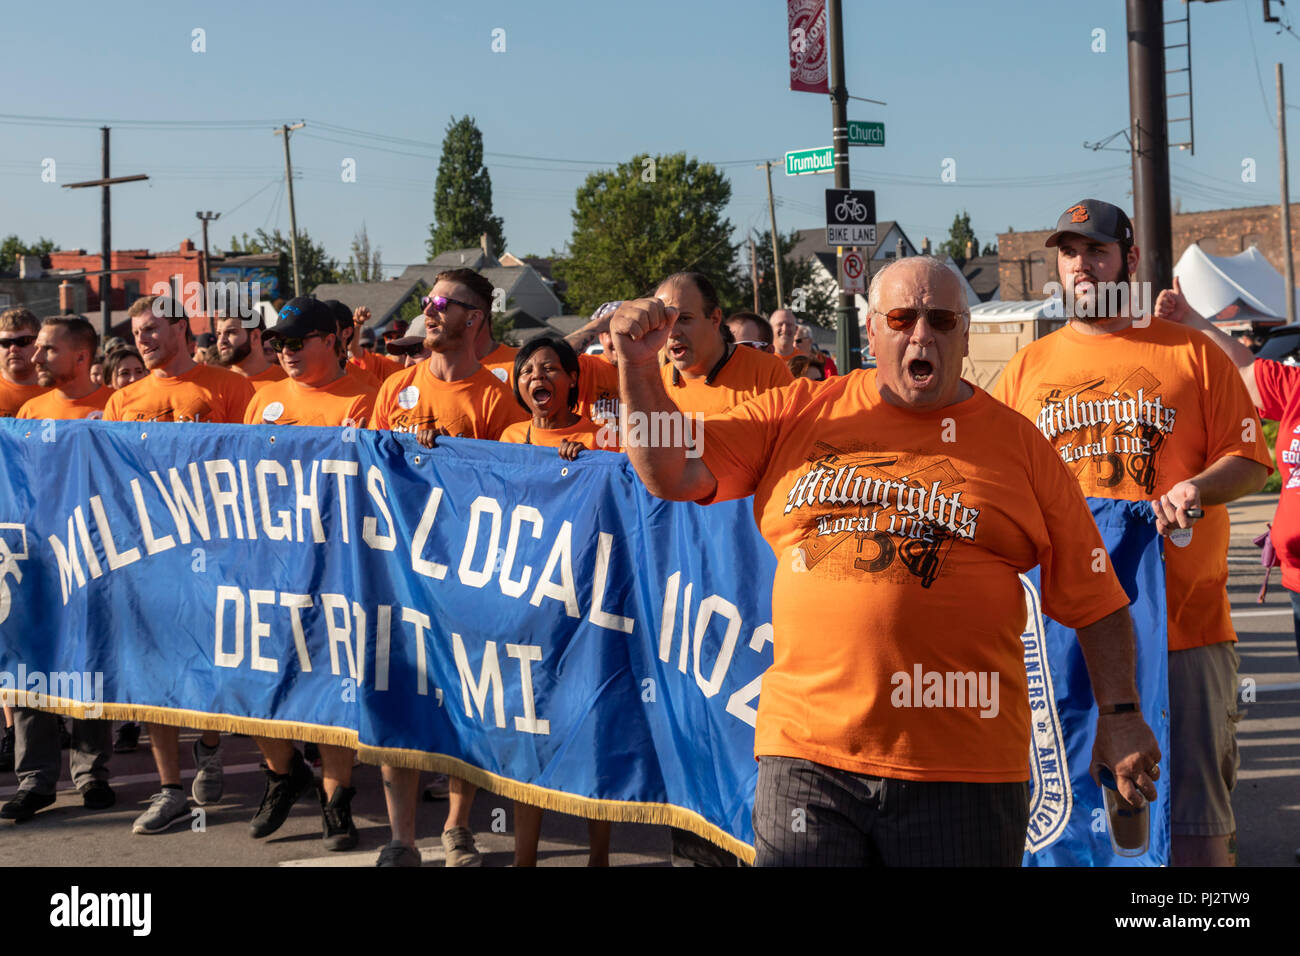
303,315
1093,219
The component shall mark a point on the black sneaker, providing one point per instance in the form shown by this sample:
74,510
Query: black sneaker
25,805
7,751
98,796
340,833
127,739
282,792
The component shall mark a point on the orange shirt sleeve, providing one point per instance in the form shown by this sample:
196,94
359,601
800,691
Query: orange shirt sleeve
363,409
252,411
1232,426
502,411
1004,389
113,410
1079,586
738,443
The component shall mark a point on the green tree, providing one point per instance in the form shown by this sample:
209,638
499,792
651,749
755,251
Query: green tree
412,308
650,217
364,264
314,265
11,247
807,293
462,195
958,235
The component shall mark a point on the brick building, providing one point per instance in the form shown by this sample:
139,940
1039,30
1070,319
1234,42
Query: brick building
135,271
1025,265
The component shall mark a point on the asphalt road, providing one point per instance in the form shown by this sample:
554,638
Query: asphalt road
1266,801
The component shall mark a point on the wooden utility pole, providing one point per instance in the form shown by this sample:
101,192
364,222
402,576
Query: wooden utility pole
1286,200
285,130
776,246
848,341
753,273
105,231
206,266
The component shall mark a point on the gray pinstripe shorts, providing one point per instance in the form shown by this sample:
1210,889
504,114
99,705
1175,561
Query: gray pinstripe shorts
807,814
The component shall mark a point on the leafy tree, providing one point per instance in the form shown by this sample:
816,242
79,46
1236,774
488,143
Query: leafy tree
462,195
12,247
990,249
649,218
807,294
364,265
314,266
958,235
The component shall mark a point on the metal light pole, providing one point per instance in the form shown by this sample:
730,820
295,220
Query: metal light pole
848,343
1150,136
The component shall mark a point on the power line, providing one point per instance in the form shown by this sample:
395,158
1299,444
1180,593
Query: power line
1250,32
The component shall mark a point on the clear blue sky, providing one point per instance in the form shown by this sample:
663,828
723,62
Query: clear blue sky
1009,89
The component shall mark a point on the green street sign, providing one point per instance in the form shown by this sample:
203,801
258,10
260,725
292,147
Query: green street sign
803,161
866,134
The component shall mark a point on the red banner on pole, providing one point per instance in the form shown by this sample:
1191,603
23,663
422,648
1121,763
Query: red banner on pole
808,64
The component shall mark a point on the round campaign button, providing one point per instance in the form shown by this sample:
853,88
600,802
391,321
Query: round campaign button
1180,537
273,412
502,374
408,396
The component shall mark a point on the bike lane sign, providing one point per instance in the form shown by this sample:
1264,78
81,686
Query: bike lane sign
850,217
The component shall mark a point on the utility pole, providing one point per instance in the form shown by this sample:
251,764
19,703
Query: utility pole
753,274
776,246
206,270
1150,139
285,130
848,342
105,231
1286,200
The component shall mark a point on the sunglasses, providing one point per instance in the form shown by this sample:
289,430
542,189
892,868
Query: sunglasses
761,346
440,303
281,344
21,342
404,350
941,320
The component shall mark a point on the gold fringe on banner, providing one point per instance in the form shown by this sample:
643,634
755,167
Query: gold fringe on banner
619,811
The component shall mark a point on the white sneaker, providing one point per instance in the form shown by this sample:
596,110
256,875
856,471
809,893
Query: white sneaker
209,780
165,808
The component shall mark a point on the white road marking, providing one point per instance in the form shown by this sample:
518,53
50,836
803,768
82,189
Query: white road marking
1270,612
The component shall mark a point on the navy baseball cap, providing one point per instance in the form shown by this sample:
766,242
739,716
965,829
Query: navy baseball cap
303,315
1093,219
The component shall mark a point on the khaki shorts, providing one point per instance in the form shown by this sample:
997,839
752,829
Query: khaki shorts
1203,720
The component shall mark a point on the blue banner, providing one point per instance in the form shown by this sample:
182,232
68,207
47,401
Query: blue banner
545,629
1067,822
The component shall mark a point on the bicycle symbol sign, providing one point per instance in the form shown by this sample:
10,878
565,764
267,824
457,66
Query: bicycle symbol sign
850,217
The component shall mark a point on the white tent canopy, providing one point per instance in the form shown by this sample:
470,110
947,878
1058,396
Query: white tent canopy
1016,311
1232,289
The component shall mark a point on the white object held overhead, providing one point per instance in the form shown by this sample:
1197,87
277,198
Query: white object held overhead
1241,288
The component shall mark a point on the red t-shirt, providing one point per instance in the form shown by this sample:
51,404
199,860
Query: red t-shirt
1279,395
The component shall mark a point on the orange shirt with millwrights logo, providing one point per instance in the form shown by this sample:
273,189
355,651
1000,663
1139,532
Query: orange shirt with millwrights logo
480,406
12,397
54,405
1133,413
897,606
584,431
739,376
272,373
343,401
203,394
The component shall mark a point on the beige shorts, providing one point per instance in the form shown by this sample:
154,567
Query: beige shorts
1203,720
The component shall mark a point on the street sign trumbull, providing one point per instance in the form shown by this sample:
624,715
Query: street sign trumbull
850,217
821,159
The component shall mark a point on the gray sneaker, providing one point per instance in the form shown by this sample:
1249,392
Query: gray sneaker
398,854
167,807
208,781
459,844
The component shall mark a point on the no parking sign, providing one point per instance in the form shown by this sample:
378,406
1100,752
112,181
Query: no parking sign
853,267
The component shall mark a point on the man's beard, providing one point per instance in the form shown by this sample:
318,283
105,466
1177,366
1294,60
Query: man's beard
1108,299
240,352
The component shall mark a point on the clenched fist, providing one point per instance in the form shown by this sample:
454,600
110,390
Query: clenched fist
640,328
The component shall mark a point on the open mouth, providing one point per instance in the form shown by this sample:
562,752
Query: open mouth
920,372
541,396
676,349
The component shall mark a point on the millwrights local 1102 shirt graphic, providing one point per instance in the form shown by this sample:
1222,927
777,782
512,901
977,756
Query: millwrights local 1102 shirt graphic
1132,413
900,537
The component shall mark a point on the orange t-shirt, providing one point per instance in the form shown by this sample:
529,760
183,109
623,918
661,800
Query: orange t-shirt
205,393
597,389
54,405
744,374
343,401
898,557
272,373
13,397
1133,413
501,360
380,366
584,431
480,406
